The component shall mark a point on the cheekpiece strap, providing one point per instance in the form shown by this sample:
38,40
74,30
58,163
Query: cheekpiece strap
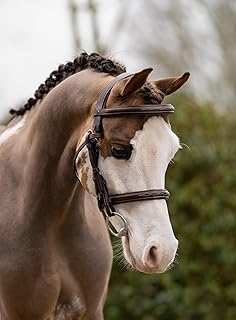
101,102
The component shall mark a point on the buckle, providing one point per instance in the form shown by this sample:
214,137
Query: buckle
123,230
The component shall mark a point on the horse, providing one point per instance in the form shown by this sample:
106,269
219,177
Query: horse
64,159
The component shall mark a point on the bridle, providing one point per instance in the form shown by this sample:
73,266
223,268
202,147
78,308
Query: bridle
106,202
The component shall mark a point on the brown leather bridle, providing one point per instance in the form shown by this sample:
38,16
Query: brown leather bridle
106,202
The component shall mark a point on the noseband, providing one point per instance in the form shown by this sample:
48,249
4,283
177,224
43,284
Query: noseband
106,202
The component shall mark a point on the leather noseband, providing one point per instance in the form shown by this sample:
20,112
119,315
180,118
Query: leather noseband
106,201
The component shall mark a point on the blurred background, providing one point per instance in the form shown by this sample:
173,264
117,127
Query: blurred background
172,37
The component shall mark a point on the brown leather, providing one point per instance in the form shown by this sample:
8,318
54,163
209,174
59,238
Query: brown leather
155,194
106,201
157,109
101,102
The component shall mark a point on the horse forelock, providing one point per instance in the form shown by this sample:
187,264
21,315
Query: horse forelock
150,94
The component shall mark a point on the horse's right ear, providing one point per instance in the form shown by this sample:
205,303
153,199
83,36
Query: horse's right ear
134,82
170,85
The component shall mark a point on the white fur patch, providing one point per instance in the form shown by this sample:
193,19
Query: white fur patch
85,168
69,311
12,131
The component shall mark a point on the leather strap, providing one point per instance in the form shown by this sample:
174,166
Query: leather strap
155,194
102,99
155,109
103,197
101,102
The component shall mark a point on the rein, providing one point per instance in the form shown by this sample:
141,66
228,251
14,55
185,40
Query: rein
106,202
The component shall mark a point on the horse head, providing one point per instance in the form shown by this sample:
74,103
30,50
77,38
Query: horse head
134,155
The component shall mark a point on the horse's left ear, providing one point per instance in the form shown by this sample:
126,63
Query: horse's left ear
170,85
134,82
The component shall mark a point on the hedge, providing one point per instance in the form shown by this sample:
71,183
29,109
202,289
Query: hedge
202,182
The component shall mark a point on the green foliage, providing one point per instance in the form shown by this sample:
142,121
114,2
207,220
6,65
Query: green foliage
202,207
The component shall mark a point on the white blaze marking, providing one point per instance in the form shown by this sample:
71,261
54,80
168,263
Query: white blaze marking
149,224
12,131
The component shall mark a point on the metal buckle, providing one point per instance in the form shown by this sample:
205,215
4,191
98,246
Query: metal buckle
123,231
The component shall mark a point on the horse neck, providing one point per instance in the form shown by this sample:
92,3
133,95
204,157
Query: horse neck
50,142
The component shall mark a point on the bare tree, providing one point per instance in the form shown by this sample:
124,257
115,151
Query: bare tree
197,35
223,18
92,9
73,10
76,8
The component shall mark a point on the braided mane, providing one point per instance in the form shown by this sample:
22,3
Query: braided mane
84,61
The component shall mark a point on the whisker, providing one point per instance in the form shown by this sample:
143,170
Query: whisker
171,266
174,263
119,256
176,260
185,145
117,52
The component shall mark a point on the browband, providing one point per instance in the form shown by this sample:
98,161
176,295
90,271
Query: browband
137,109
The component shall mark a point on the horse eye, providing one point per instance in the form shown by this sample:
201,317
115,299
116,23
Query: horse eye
121,152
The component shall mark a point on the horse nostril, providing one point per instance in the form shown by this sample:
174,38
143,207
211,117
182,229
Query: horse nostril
157,256
153,253
151,256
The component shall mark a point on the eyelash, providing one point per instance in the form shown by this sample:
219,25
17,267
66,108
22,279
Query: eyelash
121,152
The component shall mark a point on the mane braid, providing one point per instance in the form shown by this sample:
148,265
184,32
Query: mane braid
83,61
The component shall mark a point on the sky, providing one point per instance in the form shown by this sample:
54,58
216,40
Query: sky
36,36
34,39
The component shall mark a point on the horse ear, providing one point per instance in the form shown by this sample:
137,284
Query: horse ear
170,85
134,82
